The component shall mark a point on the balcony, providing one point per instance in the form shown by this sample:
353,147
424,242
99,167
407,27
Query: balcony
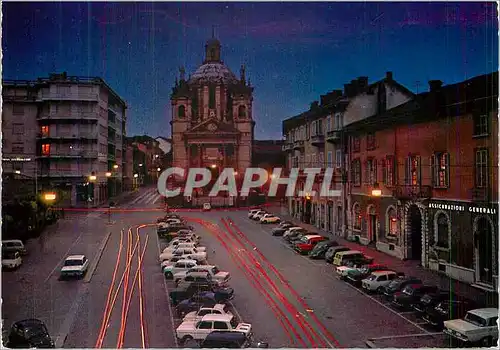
70,154
412,192
64,173
87,116
287,147
111,156
333,136
298,144
318,140
69,96
70,136
481,194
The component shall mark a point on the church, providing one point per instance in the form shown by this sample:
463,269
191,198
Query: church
212,123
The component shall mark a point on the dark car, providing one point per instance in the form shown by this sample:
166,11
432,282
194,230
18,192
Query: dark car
430,300
356,276
222,294
280,230
231,340
203,299
30,333
447,310
397,285
411,294
293,239
319,250
330,253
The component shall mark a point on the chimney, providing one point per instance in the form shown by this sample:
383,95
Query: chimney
435,85
362,83
388,76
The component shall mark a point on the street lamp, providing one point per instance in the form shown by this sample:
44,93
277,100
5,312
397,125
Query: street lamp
159,169
376,191
50,196
18,172
108,174
140,164
92,178
115,166
213,166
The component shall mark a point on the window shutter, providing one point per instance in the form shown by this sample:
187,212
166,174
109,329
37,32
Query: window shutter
419,170
407,171
433,170
367,172
448,169
384,171
375,170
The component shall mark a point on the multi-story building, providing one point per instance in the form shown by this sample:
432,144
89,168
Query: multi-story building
423,179
315,139
69,132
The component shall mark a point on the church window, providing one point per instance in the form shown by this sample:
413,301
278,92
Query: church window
211,97
181,113
242,111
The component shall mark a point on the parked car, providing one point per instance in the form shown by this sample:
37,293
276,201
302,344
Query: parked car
222,277
219,309
479,327
180,266
280,230
270,219
199,330
11,259
332,251
447,310
196,277
430,300
28,334
357,275
350,265
292,230
14,245
259,215
252,212
194,253
74,266
410,294
342,257
206,301
170,262
397,285
222,294
231,340
177,244
320,249
307,243
378,280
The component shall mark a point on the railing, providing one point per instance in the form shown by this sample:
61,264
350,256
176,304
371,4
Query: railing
68,115
481,194
287,147
412,192
71,154
333,135
70,96
317,139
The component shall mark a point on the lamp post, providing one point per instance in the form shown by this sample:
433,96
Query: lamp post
376,192
92,180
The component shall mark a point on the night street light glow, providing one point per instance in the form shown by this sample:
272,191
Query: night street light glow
136,175
49,196
115,166
92,178
108,174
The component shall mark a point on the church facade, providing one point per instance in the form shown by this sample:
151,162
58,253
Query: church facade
212,125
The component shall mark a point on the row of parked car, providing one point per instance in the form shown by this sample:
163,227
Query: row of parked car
201,293
455,315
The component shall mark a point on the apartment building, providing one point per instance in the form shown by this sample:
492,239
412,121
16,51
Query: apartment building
316,139
69,132
423,180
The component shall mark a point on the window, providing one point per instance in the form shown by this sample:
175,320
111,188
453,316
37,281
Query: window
17,147
371,171
338,159
413,170
338,122
220,325
382,278
355,143
370,141
329,124
392,222
211,97
388,171
242,112
481,125
481,168
329,159
440,165
45,130
321,160
181,112
319,127
17,109
356,172
18,128
205,325
442,234
46,149
357,217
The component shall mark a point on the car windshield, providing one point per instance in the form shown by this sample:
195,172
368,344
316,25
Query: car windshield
394,285
9,255
475,319
72,262
215,270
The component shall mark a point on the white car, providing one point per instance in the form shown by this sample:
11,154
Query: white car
378,279
218,309
269,219
194,253
180,266
259,215
252,212
479,326
171,261
343,271
222,277
75,266
292,230
178,244
11,259
198,330
206,207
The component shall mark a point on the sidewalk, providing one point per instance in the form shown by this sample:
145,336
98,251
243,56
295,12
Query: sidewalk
409,267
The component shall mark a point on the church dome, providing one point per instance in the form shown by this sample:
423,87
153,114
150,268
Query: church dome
212,72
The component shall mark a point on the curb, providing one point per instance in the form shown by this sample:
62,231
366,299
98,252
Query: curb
370,344
92,269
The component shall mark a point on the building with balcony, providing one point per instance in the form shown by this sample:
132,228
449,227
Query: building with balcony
71,128
423,180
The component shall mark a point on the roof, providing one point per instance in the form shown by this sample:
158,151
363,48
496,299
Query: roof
486,312
187,261
383,272
213,72
75,257
215,317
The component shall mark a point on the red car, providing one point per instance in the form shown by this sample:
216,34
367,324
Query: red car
307,243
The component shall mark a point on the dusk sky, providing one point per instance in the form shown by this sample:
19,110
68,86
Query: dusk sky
294,52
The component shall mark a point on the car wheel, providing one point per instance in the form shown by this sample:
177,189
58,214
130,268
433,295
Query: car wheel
380,290
169,275
186,339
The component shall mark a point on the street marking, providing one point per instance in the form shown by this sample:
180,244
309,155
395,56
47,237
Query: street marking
97,258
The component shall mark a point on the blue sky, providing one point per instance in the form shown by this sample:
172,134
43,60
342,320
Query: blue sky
293,51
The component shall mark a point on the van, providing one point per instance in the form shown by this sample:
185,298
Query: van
341,257
14,245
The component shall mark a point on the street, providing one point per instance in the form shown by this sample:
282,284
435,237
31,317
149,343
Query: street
290,301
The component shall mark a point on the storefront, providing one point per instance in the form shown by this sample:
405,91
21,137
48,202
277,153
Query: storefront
463,241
